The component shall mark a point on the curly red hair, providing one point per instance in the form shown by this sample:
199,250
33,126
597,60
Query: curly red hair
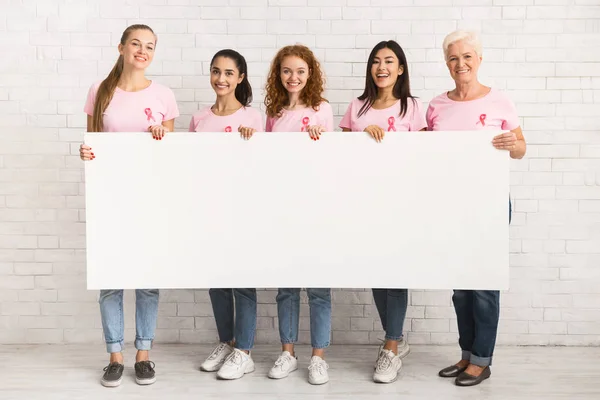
277,98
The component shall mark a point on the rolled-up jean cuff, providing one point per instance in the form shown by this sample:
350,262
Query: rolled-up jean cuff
394,338
242,348
143,344
480,361
319,346
114,347
288,342
466,355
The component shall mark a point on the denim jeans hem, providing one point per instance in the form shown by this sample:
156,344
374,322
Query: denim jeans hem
143,344
319,346
244,348
288,341
115,347
394,338
481,361
465,355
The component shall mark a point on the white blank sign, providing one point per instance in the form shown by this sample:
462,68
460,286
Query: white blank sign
198,210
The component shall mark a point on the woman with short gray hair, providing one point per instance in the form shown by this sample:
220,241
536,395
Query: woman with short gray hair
474,106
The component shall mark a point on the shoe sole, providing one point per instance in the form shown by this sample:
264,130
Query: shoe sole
281,377
111,383
317,382
218,367
231,378
145,381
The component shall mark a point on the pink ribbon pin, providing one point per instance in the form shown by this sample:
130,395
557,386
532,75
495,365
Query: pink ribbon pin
482,119
227,129
391,122
305,122
149,114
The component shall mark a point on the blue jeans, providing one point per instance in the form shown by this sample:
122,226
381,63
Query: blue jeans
391,305
477,314
235,323
288,312
146,312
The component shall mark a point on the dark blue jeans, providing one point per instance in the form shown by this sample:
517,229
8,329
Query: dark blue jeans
237,322
477,314
391,306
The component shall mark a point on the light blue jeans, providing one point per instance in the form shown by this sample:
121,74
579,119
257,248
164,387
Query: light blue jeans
146,313
235,315
288,312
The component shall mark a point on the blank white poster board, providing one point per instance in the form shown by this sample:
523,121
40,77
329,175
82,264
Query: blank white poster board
198,210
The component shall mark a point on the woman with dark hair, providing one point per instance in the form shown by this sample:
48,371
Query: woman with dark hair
234,309
231,110
387,105
126,101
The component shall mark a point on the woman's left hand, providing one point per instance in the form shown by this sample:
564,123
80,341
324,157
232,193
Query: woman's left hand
158,131
505,141
315,131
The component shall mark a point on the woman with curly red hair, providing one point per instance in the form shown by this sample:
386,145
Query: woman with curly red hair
295,103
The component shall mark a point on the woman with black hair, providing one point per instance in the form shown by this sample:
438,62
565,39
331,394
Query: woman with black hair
387,105
234,309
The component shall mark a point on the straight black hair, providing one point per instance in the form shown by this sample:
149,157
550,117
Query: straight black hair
243,91
401,89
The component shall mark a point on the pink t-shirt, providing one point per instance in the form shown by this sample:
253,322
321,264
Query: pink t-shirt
388,118
298,120
493,111
135,111
206,121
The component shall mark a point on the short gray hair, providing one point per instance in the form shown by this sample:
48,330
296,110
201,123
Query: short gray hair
469,37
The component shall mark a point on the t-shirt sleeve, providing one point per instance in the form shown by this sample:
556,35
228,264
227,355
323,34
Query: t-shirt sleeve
417,121
88,108
429,116
346,122
192,124
326,116
269,124
172,110
257,121
511,120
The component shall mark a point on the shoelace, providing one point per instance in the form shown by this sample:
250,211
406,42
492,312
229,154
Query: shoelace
319,367
112,368
281,360
217,351
234,358
146,366
384,361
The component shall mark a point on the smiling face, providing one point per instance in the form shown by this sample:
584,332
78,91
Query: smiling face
294,73
138,50
224,76
386,68
463,62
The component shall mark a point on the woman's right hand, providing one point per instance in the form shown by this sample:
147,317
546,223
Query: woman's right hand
376,132
85,152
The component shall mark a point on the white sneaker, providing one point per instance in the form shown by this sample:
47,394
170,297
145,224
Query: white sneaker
285,364
236,365
403,350
216,359
317,371
388,366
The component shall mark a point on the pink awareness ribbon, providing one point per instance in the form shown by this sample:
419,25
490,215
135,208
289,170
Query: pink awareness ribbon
149,114
482,119
227,129
305,122
391,122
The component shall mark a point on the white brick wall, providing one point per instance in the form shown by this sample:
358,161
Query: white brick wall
545,54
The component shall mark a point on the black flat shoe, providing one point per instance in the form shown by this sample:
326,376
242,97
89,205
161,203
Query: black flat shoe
465,379
451,372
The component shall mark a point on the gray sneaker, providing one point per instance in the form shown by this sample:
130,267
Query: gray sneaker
144,373
113,374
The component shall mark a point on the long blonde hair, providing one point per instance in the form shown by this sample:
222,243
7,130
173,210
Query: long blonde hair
107,88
